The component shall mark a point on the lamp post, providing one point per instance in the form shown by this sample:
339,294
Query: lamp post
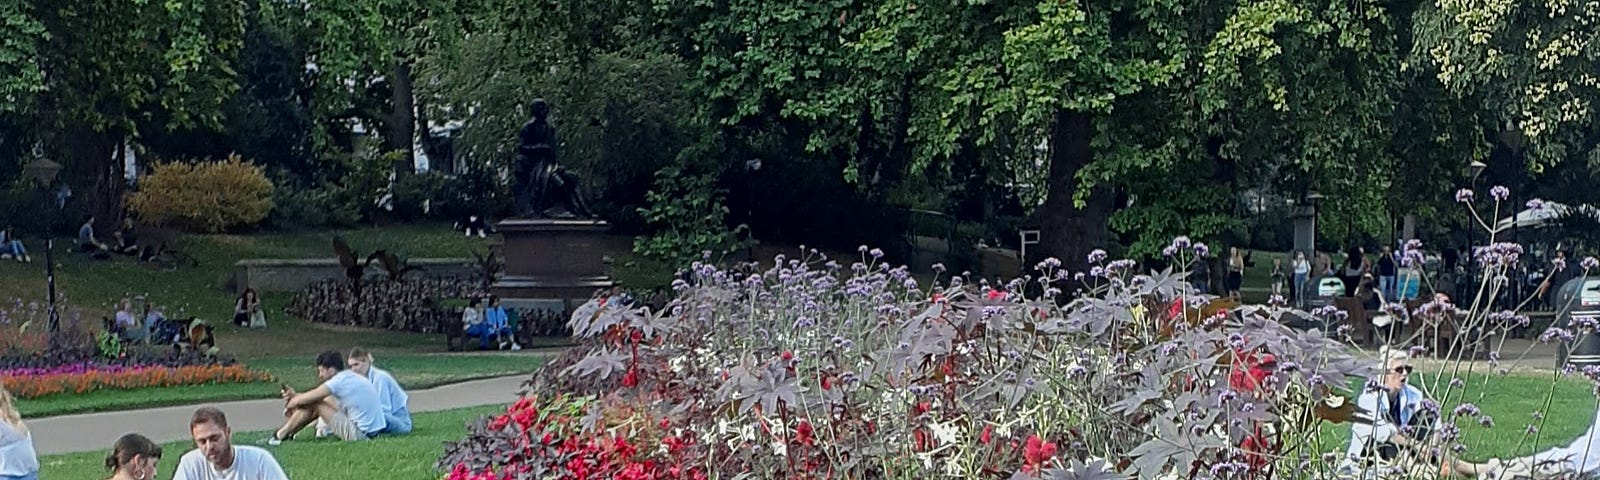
44,171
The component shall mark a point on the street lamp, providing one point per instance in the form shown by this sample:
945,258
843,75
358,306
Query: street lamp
44,171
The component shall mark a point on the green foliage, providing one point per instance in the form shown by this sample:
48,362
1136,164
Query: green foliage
207,196
687,217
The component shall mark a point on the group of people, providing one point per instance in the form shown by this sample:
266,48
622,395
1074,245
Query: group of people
356,401
150,325
1392,425
489,323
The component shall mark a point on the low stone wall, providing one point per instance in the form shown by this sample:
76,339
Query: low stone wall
293,275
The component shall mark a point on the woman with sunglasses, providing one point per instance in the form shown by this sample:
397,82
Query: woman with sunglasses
1389,417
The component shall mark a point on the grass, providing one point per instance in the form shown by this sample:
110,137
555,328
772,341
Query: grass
407,457
285,349
96,286
1510,401
412,371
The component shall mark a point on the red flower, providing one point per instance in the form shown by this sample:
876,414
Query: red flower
1037,451
499,423
996,294
987,435
920,408
526,418
827,383
636,335
459,473
788,355
802,433
938,297
631,379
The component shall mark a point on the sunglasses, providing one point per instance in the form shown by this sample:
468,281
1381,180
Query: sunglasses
1403,370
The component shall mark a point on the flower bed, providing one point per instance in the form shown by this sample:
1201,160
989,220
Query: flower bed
409,305
816,370
84,377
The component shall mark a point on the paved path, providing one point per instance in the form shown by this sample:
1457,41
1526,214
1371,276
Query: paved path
94,431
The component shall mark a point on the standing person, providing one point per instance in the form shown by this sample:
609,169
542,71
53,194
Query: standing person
496,321
1235,271
215,457
1302,270
133,457
1387,270
11,246
347,402
18,459
1353,268
1200,275
247,310
1278,276
396,412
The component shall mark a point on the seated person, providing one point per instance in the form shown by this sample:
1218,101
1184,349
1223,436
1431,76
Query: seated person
88,244
127,243
216,458
131,329
11,246
1388,418
396,412
497,321
347,402
162,332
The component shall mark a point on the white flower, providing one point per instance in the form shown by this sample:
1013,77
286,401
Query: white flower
946,433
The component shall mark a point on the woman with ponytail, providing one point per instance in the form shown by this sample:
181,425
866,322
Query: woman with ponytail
133,457
18,461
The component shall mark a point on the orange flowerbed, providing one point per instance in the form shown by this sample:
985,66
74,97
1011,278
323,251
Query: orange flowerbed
34,386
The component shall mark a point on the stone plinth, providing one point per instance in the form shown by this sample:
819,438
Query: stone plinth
553,259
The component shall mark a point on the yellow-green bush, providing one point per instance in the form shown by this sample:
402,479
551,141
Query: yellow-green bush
206,196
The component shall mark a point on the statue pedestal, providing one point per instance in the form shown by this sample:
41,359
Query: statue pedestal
559,260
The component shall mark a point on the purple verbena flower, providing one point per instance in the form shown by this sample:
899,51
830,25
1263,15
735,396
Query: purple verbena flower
1589,263
1464,195
1466,410
1535,204
1500,193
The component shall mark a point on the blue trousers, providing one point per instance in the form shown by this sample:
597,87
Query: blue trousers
484,332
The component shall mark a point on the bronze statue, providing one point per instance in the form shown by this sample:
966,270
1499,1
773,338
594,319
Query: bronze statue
543,188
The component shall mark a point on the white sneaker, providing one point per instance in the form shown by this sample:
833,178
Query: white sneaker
322,428
515,347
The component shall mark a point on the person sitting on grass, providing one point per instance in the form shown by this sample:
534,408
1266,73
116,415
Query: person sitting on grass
247,310
132,329
88,244
11,246
1390,419
18,459
1579,459
133,457
348,403
498,322
216,458
396,412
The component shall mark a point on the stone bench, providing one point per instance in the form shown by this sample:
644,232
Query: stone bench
293,275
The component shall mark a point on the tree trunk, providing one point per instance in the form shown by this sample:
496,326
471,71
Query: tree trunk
402,120
1068,232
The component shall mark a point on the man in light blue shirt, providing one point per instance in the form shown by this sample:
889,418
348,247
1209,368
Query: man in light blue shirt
393,398
346,401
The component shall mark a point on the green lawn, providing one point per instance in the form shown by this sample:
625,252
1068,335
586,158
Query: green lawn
408,457
412,371
1510,401
95,286
285,349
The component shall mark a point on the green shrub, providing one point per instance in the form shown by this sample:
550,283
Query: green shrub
687,217
205,196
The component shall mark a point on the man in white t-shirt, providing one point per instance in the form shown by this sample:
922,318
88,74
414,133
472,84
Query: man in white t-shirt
216,458
346,401
396,413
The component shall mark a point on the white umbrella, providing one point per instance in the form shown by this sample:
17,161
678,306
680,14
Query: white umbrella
1547,213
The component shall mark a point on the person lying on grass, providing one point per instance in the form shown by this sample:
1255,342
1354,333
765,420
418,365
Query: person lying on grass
393,398
1579,459
216,458
348,403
